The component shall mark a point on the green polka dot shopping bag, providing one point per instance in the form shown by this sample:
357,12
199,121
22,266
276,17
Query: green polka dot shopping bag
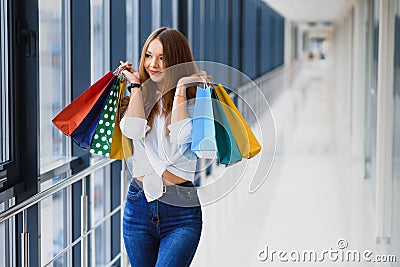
108,139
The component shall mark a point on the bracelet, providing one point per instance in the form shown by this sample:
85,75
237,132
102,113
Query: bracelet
180,95
134,85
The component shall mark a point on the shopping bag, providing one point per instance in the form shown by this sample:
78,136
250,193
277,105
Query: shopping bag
83,135
103,136
72,116
203,128
245,139
121,146
228,151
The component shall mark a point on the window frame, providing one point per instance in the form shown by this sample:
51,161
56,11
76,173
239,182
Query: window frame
65,69
4,79
7,166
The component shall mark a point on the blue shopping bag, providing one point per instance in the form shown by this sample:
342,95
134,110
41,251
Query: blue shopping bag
204,144
83,135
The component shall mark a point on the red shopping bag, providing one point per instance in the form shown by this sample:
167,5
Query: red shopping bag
71,116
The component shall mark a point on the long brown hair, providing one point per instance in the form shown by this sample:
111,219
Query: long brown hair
176,50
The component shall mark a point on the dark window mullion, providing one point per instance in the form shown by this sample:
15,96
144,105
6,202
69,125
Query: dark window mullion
80,66
24,85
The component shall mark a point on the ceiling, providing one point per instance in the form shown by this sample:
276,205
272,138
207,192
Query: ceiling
309,10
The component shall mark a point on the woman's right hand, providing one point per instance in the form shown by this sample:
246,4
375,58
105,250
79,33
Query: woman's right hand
130,74
194,79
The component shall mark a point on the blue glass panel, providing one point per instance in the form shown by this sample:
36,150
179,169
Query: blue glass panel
166,13
144,21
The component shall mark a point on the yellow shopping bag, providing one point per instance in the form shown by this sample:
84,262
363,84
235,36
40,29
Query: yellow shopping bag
245,139
121,147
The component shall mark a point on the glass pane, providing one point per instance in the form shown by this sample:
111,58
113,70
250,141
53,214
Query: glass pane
3,240
7,234
371,88
53,226
97,38
51,92
132,32
99,194
100,180
395,233
60,262
4,96
100,207
102,249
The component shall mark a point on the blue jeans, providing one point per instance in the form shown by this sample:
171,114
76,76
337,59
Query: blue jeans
161,234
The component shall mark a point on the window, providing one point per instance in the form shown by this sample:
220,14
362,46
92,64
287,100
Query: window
395,230
371,91
3,239
100,40
7,237
132,32
100,189
55,230
4,96
52,78
99,208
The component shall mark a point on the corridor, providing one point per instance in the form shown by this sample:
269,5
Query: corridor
304,203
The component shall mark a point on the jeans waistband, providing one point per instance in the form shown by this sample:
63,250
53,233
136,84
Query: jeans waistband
184,194
188,185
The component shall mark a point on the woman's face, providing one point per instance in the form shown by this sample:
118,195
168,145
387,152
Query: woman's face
153,62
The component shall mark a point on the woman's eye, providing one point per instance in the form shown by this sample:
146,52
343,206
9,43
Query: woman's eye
148,56
160,58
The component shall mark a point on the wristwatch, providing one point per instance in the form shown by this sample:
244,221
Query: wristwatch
133,85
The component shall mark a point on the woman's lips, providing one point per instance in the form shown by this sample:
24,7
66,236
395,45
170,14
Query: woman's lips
152,72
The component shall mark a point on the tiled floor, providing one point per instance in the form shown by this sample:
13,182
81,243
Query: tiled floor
307,202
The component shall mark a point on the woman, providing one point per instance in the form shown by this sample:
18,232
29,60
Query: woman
162,222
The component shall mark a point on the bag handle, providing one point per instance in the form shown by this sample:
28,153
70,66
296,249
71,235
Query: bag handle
118,73
205,83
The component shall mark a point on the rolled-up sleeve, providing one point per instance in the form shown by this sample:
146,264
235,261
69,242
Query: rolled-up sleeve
133,127
180,132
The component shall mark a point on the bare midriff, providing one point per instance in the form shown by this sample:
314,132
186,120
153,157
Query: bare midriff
168,178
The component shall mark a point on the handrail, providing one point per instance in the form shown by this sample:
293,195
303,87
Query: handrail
79,239
270,74
12,211
270,85
116,258
52,170
263,78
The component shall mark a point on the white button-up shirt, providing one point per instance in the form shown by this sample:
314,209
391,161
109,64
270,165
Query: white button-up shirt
157,152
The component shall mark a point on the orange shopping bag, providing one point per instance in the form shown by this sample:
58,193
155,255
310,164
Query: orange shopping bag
73,114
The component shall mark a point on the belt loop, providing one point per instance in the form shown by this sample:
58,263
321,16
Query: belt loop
178,190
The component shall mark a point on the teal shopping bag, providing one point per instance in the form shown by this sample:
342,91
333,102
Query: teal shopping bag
204,144
228,151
